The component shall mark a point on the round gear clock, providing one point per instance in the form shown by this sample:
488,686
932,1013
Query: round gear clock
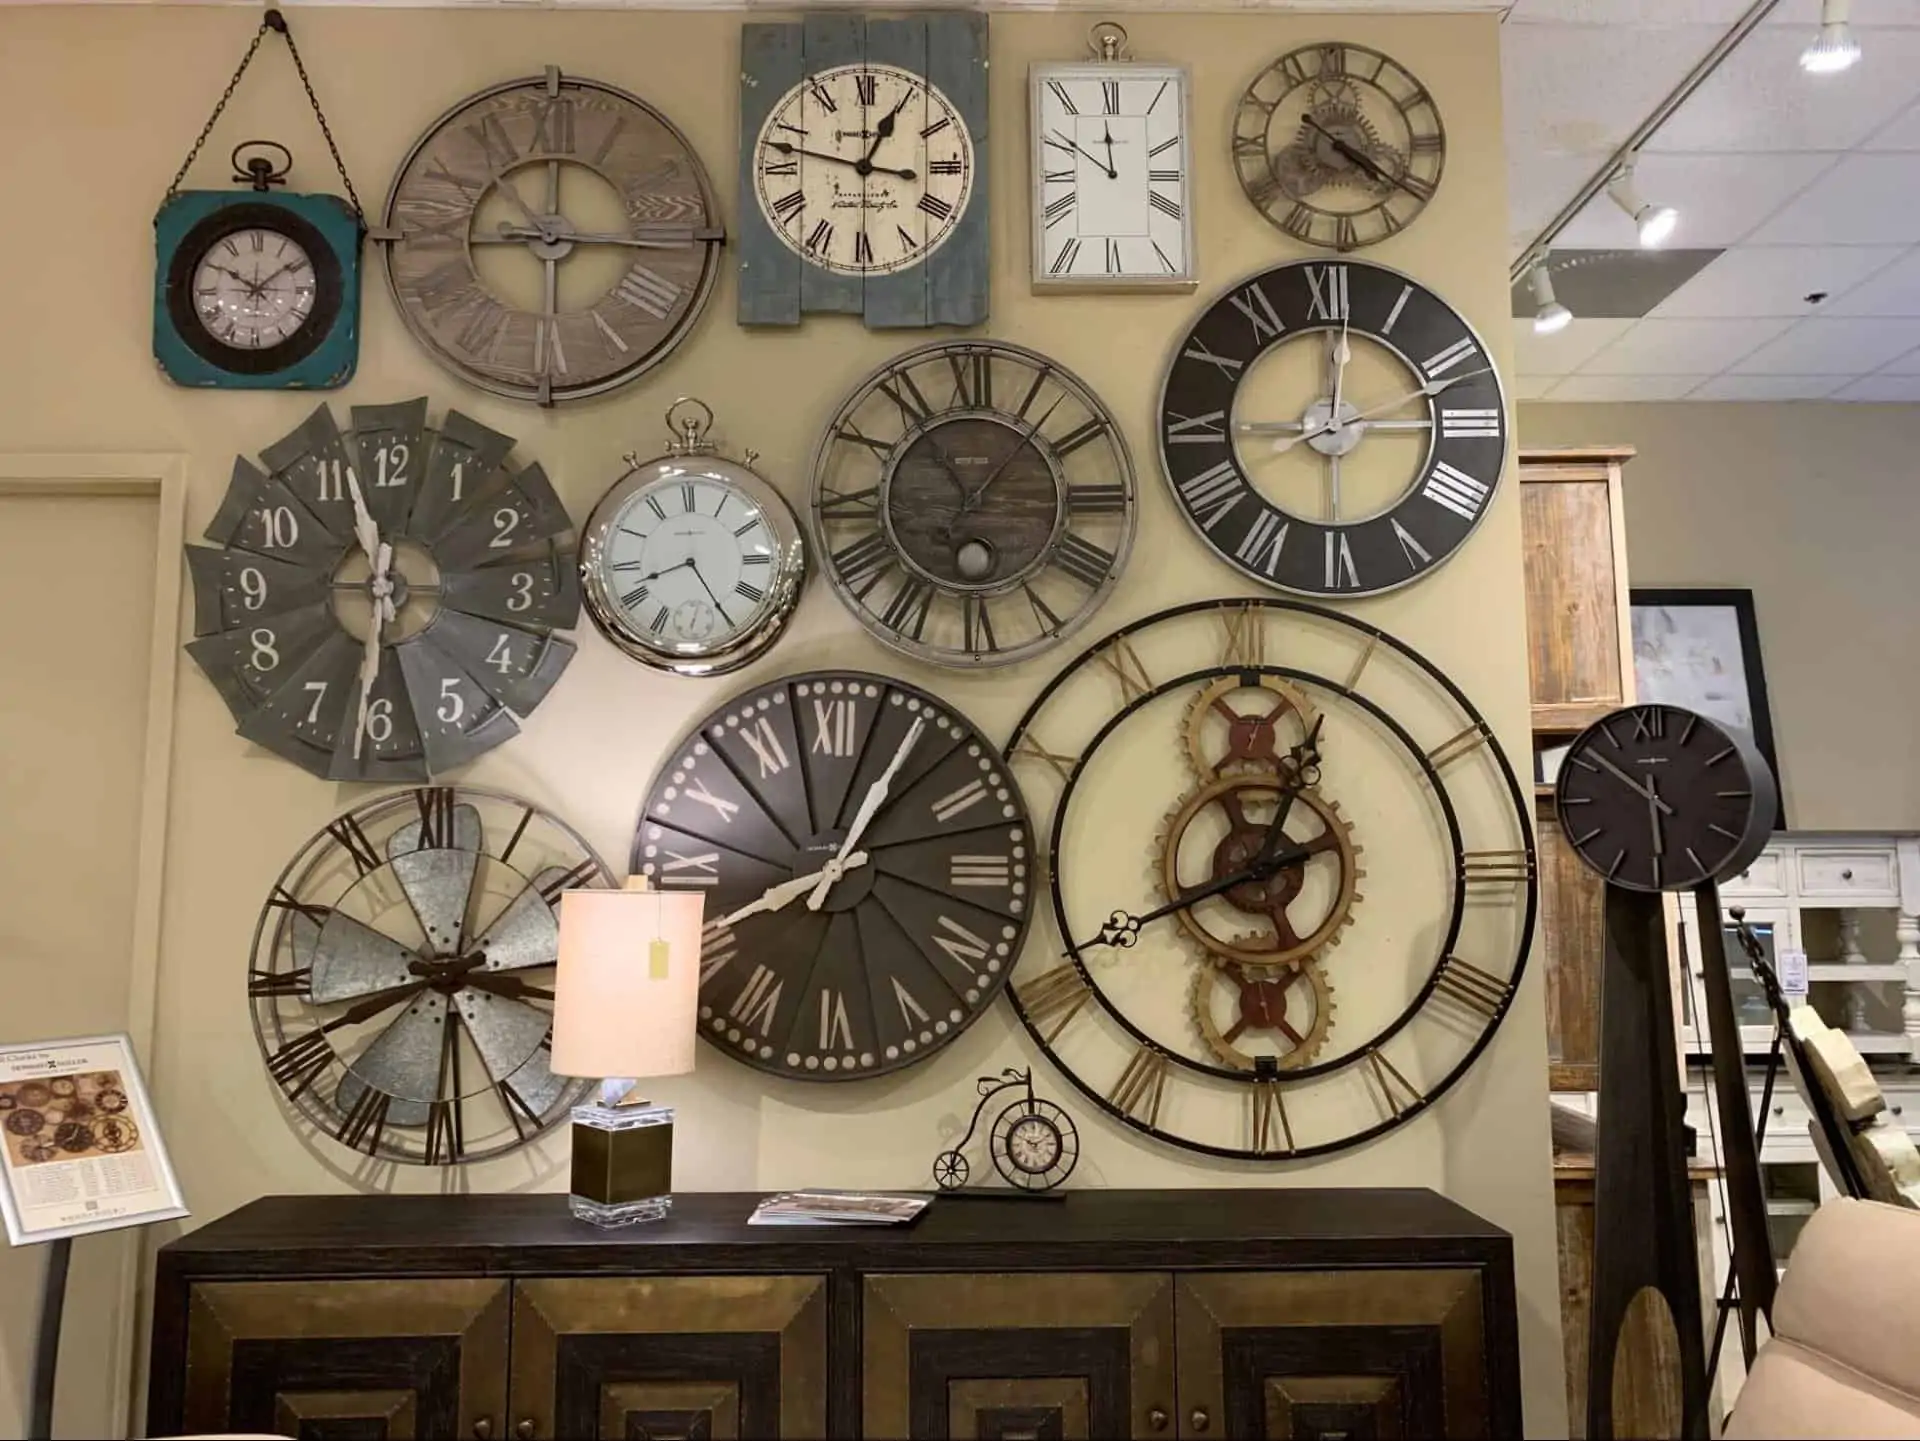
1332,428
379,604
868,870
1248,991
402,974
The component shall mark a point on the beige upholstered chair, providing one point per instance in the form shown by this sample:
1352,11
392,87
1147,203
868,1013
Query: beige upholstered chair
1844,1359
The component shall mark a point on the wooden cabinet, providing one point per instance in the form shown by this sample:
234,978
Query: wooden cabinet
1245,1313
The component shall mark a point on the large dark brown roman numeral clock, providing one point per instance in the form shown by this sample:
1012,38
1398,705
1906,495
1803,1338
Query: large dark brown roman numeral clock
867,863
1332,428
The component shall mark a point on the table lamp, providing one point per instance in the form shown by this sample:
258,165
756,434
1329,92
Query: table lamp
625,997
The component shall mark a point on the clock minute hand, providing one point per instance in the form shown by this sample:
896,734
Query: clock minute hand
1060,141
1646,790
1432,388
861,166
870,804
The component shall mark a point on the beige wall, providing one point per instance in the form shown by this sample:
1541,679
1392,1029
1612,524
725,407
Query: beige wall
125,89
1816,509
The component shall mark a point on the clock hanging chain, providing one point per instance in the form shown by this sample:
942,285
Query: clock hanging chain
273,20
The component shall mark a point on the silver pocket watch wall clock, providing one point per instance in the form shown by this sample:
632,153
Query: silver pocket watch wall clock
692,562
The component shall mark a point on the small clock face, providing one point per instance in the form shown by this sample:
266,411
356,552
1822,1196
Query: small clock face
1110,163
1656,798
254,289
1338,145
868,870
692,564
974,503
402,974
864,169
1332,428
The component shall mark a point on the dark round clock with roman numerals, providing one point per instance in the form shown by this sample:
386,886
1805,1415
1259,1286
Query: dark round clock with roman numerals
868,870
973,503
1332,428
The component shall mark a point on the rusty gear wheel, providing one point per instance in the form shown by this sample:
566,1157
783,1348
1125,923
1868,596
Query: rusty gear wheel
1232,1002
1226,739
1272,896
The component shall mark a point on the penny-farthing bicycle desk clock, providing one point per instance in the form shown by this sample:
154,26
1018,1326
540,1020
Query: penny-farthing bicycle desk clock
1033,1142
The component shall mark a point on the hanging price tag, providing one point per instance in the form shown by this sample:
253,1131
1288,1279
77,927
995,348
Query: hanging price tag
1792,969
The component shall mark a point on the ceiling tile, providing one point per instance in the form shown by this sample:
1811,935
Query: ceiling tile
1908,364
1721,198
1760,99
1580,90
1775,280
1628,12
1885,388
1566,351
1832,347
1538,184
1893,291
1626,387
1900,133
1867,14
1683,347
1531,387
1864,200
1769,387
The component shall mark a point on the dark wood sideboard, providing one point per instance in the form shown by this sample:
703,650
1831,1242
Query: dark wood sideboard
1234,1313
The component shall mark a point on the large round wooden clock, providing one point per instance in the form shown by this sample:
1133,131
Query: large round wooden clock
402,974
1292,878
1332,428
868,870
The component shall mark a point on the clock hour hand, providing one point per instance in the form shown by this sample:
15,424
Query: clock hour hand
1360,158
1647,790
883,130
870,804
380,587
787,892
1060,142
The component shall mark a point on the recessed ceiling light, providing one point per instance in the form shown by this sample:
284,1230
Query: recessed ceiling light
1655,223
1550,316
1834,49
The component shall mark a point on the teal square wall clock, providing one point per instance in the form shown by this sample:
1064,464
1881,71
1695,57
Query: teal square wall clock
256,291
863,169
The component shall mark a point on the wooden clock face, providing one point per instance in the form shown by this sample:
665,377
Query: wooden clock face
1655,798
402,974
1292,878
1332,428
868,870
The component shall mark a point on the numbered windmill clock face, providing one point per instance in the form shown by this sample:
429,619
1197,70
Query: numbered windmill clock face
402,974
1338,145
551,238
864,169
1332,428
868,870
379,604
1292,879
973,503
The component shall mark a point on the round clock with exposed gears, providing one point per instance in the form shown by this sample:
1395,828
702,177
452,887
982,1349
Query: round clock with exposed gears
868,868
1292,878
1338,145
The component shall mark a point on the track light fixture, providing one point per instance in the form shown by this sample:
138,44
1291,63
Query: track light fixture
1549,316
1834,49
1654,222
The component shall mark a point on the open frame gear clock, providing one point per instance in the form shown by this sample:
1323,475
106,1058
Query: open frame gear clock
1222,974
379,604
402,974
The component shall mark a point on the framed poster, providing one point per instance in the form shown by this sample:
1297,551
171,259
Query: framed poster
80,1150
1700,649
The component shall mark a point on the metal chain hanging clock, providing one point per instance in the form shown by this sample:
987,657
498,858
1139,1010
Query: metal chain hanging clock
257,289
379,604
402,974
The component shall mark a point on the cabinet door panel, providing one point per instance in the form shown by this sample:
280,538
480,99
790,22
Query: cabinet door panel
1573,937
1324,1353
1573,594
713,1357
1035,1355
370,1360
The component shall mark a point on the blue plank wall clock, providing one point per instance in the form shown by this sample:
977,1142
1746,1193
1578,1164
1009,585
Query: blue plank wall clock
863,169
257,289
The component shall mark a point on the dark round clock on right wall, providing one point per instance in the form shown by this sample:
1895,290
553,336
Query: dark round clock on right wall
1655,798
1332,428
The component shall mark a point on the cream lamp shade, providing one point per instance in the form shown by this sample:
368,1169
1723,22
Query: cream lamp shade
627,988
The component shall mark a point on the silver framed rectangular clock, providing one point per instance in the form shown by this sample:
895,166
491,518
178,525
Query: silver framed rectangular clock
1111,167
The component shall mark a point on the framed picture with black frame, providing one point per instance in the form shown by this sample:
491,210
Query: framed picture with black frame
1700,649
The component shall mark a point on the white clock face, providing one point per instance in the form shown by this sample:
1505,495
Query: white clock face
253,289
690,561
1110,156
864,169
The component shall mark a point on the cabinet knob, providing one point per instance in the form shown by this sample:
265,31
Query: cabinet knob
1200,1420
1157,1418
1899,1110
1779,1110
523,1428
483,1429
1846,875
